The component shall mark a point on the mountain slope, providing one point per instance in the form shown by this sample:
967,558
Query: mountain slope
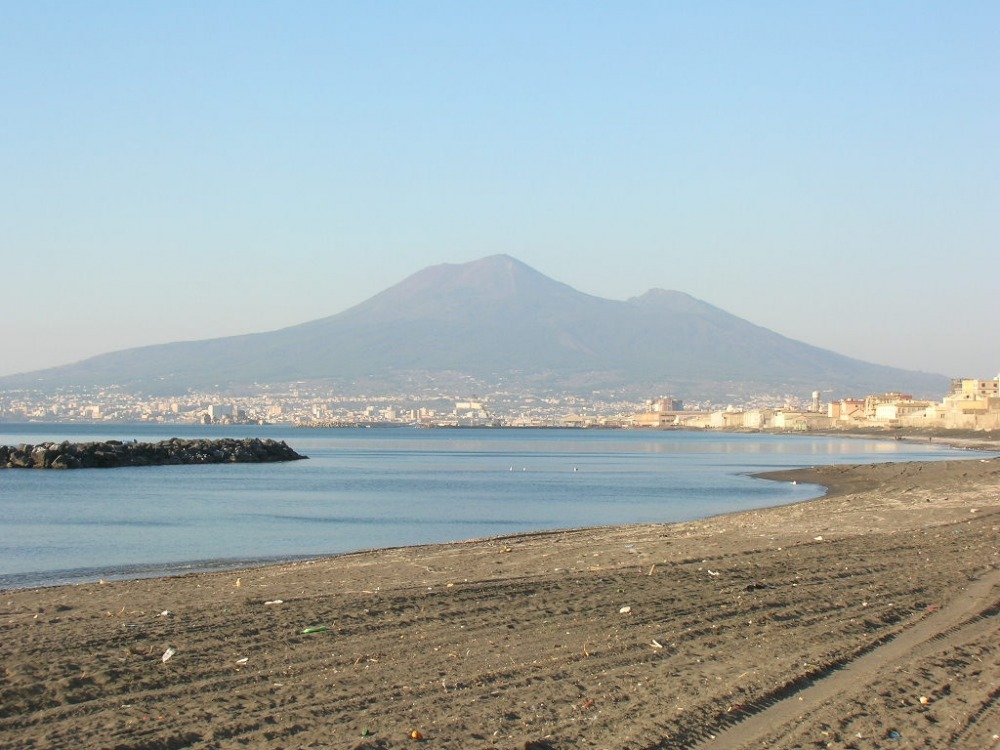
497,319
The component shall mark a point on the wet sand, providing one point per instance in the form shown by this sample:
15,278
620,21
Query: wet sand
865,619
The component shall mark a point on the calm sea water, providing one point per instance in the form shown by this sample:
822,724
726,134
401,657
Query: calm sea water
369,488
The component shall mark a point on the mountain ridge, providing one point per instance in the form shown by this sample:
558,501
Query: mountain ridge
497,319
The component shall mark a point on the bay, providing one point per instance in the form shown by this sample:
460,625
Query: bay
371,488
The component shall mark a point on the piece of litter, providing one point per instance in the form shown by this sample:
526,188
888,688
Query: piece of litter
164,613
244,660
625,610
924,700
656,644
713,573
817,539
274,601
167,654
315,629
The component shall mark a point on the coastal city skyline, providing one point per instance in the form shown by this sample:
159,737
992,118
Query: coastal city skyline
969,404
192,172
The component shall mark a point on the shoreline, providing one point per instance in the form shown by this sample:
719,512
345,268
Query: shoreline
628,636
91,573
147,571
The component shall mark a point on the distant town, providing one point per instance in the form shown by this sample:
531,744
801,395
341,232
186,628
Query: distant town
969,405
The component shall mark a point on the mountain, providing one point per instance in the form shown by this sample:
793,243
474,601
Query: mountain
496,321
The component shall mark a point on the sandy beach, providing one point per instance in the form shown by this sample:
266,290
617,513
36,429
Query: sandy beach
865,619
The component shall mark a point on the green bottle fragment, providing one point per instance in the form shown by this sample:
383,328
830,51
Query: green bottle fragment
315,629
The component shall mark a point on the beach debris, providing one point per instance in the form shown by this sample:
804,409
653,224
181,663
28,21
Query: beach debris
713,573
894,735
167,654
164,613
652,569
274,601
121,613
625,610
817,539
924,700
656,644
244,660
238,583
416,735
315,629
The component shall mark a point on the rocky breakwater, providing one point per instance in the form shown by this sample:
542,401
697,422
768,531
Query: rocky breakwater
115,453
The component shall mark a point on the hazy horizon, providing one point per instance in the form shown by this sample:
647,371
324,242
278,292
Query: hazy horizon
186,171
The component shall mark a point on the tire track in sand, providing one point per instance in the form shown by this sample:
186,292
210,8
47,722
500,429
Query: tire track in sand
961,619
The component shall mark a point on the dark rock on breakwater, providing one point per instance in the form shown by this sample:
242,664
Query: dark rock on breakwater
115,453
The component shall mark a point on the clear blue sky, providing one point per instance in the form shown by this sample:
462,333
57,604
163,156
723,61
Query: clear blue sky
185,170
